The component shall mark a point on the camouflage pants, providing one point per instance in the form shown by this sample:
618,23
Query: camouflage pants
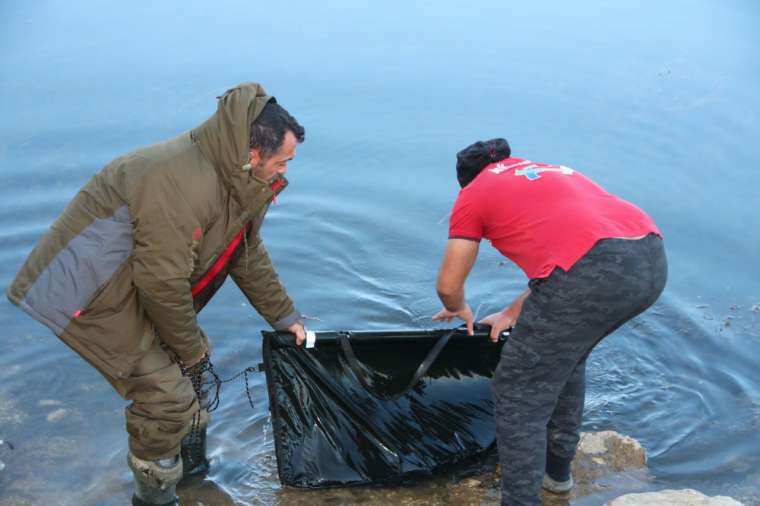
539,384
163,404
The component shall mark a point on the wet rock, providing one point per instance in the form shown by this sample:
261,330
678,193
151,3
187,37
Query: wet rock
7,445
605,461
15,500
56,448
606,452
56,415
607,467
685,497
9,413
50,449
196,491
49,402
471,483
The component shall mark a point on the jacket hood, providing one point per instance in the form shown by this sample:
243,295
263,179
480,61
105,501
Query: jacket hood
224,138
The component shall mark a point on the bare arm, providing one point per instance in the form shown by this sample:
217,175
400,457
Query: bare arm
518,302
458,259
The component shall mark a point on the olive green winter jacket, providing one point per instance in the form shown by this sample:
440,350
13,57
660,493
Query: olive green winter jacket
147,241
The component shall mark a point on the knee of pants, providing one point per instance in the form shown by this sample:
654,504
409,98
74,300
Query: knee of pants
526,382
155,439
518,363
165,396
159,420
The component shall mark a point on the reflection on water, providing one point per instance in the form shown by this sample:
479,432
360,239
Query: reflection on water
637,96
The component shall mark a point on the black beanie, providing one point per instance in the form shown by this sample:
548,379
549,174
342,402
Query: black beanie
476,157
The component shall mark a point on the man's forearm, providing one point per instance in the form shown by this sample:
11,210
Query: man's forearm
518,302
452,300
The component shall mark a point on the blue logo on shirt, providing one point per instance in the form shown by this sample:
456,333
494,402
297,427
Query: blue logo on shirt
533,172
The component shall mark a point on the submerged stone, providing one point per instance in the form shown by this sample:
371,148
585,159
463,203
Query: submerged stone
49,402
56,415
10,414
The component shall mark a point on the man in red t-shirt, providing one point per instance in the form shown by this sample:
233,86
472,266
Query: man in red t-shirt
594,262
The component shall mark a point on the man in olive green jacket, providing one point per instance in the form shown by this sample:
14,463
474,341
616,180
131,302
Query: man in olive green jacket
122,273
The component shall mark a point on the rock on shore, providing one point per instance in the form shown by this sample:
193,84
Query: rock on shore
608,469
685,497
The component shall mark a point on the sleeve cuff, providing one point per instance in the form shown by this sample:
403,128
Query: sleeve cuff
191,354
455,236
286,322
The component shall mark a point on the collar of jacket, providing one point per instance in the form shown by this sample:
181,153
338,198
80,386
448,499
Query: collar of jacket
259,193
224,141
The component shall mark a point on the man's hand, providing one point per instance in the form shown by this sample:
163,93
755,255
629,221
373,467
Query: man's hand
500,321
507,317
300,331
464,312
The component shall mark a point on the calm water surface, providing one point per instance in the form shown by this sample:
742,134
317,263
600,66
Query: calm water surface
656,101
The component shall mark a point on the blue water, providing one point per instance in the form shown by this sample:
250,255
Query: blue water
657,101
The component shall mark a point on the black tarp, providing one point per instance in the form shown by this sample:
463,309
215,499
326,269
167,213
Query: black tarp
343,412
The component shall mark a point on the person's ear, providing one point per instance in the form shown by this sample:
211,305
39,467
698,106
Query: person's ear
255,156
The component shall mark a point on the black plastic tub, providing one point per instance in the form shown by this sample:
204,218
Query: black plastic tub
375,407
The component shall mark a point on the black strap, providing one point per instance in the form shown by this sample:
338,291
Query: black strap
353,362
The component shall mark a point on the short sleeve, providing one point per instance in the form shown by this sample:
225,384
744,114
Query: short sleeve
466,220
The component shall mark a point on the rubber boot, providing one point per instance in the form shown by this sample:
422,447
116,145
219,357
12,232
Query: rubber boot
155,481
558,476
557,487
193,449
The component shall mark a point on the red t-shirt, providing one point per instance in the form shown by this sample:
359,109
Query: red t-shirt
542,216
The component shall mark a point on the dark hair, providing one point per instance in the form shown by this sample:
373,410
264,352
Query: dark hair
477,156
269,128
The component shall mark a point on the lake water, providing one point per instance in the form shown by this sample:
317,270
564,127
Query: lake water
657,101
